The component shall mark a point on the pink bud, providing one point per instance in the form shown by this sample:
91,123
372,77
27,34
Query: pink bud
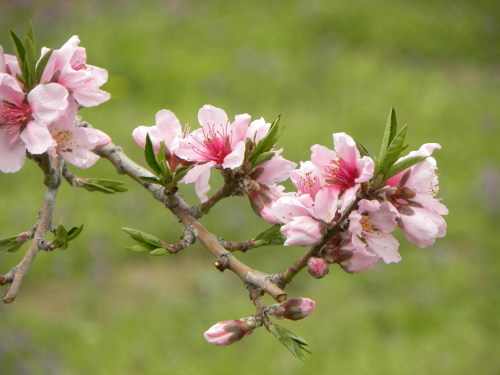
295,309
227,332
261,201
317,267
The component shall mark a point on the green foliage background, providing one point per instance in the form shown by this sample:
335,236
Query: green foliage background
326,67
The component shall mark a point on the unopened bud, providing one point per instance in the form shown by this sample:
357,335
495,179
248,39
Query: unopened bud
228,331
317,267
295,308
261,201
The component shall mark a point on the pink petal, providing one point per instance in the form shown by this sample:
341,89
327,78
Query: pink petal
257,130
302,231
235,158
385,246
80,157
321,156
346,149
201,186
326,204
423,227
195,172
384,219
36,138
10,89
286,208
364,167
90,96
187,147
275,170
12,152
210,115
239,128
48,102
169,127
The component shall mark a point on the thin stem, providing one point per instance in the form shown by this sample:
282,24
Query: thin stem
244,246
230,185
16,275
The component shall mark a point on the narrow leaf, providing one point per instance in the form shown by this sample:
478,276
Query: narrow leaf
180,173
149,154
159,251
19,47
402,165
391,127
95,187
293,342
115,186
139,248
143,237
362,149
74,232
265,156
269,141
272,232
153,180
40,66
393,151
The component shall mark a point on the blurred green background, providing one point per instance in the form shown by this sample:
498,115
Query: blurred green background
326,66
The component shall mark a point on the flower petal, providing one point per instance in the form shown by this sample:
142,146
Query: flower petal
48,102
210,115
36,138
12,152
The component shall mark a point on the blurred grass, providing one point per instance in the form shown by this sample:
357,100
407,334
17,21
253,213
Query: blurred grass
326,67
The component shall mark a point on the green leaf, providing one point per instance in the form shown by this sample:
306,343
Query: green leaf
74,232
362,149
402,165
61,240
391,128
393,152
293,342
104,186
10,244
19,48
272,232
180,173
143,237
139,248
96,187
166,174
159,251
40,66
269,141
265,156
149,154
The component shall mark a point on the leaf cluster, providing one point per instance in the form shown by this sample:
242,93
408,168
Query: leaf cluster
31,70
272,235
393,145
10,244
159,165
64,236
293,342
262,151
146,242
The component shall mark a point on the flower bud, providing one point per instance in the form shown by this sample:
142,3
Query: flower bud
228,331
295,309
317,267
261,201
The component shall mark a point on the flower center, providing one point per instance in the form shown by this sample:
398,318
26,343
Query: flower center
65,141
309,184
13,118
216,144
339,173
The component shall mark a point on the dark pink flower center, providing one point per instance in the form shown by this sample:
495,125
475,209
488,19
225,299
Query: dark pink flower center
215,146
309,184
339,173
13,118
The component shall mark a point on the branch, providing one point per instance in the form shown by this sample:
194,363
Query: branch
175,203
244,246
16,275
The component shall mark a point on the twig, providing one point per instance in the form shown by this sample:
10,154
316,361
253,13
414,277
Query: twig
244,246
174,201
16,275
188,239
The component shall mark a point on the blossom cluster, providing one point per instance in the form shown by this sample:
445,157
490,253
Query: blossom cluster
39,101
341,181
218,144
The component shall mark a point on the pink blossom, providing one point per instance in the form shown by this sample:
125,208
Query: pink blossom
317,267
370,227
227,332
24,120
420,214
263,199
302,231
217,144
343,169
295,308
68,67
75,144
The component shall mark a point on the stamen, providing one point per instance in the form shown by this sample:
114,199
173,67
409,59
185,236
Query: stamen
13,118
